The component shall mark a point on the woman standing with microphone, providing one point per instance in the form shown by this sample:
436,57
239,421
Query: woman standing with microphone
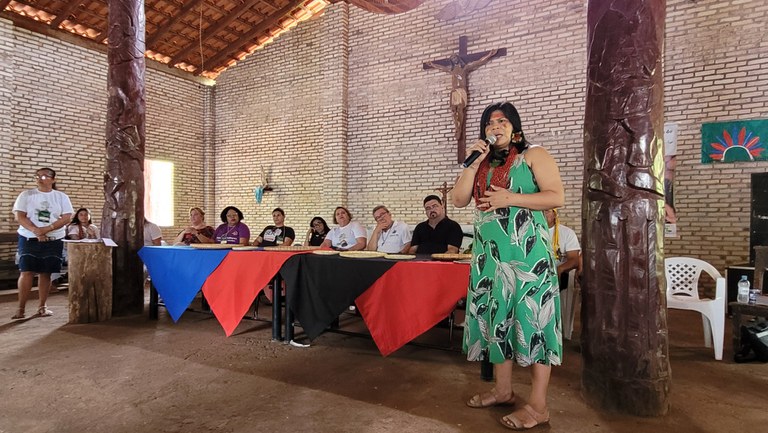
513,297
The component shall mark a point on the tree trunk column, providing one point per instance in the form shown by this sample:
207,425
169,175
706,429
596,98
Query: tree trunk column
624,329
123,215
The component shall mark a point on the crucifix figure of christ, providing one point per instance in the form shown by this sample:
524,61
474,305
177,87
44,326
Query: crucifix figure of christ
444,191
459,66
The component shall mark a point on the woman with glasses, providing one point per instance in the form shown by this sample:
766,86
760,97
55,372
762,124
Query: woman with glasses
233,231
389,236
513,311
82,227
348,235
318,229
42,213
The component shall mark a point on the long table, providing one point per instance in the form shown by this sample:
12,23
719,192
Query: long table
398,300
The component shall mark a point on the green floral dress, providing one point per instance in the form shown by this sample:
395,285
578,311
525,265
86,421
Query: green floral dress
513,300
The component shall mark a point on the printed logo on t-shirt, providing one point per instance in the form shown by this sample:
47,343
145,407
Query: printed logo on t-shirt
44,215
273,235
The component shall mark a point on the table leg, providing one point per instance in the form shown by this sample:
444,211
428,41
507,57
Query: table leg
486,370
277,298
153,301
288,323
736,330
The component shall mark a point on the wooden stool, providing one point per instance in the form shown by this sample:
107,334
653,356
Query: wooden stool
90,282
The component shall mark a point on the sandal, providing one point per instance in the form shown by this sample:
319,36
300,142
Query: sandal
19,314
480,401
44,311
525,418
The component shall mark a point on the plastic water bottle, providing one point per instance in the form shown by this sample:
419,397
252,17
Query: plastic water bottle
742,295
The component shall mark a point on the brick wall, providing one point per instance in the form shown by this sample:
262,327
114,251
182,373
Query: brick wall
284,109
52,113
399,127
340,111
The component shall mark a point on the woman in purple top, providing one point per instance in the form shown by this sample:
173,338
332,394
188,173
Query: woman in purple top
233,231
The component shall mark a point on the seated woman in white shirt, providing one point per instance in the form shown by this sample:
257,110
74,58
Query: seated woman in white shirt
82,227
348,235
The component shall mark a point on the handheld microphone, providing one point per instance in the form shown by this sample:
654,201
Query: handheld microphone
491,140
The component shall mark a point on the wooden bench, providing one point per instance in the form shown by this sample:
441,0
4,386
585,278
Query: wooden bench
9,271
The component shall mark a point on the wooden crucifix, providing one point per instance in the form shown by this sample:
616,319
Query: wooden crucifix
459,66
444,191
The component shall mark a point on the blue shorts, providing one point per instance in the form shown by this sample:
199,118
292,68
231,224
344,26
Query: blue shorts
40,257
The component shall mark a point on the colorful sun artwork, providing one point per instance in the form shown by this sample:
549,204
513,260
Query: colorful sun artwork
734,141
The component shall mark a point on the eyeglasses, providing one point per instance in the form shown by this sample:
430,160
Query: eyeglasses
430,207
43,176
380,215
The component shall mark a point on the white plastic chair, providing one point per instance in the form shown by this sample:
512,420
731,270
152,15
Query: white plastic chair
683,293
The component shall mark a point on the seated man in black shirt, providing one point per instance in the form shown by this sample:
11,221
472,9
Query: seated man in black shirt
438,234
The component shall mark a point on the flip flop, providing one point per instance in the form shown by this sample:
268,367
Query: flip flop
44,311
478,402
19,314
524,419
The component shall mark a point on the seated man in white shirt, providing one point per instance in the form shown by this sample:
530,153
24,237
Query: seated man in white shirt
565,243
389,236
153,236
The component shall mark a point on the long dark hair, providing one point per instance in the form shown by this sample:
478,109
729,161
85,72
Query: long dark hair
326,229
510,112
76,221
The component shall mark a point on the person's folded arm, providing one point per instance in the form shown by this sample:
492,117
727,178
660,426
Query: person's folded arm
359,245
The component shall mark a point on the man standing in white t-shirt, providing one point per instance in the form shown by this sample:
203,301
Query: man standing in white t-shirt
565,243
389,236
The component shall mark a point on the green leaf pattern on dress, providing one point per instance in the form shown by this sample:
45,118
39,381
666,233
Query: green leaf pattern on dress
513,309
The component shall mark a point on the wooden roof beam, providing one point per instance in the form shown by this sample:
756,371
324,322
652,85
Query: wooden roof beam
247,37
212,30
64,14
65,36
163,29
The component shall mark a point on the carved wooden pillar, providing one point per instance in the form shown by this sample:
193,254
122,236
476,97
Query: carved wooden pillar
123,215
624,329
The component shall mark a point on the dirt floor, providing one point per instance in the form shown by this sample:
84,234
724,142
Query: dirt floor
135,375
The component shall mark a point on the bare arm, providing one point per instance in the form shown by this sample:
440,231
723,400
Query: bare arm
24,221
360,245
571,262
481,61
157,242
373,242
438,66
287,242
406,248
